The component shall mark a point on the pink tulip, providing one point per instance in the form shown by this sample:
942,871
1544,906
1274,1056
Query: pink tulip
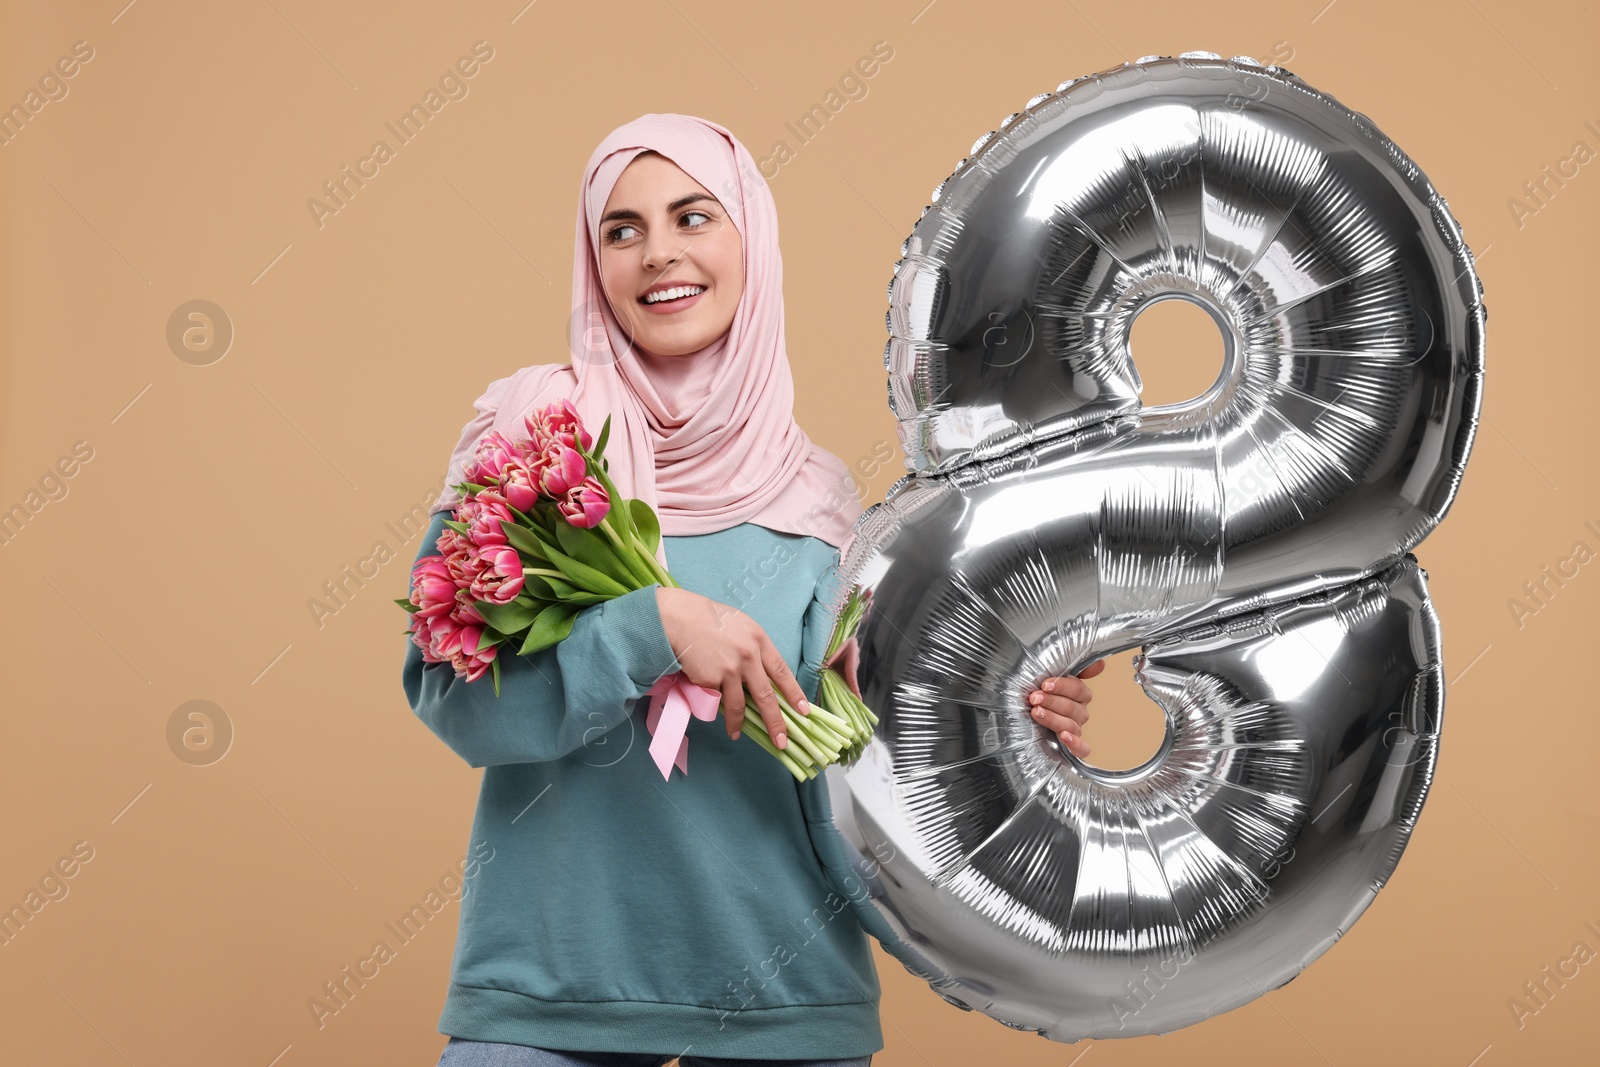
538,459
422,636
567,471
518,486
483,513
456,641
501,578
444,634
433,589
450,542
436,635
494,452
585,504
458,554
475,665
557,422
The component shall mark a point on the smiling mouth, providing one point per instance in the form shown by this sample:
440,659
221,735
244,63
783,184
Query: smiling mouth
703,289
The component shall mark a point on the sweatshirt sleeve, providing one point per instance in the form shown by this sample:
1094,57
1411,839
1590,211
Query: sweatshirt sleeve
554,701
818,627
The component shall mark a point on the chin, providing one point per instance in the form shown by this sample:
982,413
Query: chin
669,351
678,343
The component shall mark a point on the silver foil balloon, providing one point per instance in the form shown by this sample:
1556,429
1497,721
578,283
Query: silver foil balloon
1254,541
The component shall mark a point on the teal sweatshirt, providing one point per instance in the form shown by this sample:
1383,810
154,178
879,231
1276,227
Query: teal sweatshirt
627,913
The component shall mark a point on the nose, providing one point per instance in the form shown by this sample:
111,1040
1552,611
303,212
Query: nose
661,251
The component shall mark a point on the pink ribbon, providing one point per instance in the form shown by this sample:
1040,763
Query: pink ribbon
672,700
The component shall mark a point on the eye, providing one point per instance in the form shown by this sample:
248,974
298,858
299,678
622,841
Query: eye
612,236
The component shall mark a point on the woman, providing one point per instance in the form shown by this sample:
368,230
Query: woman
623,919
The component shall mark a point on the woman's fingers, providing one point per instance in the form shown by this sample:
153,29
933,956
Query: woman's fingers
1068,729
1056,721
1060,705
733,704
778,672
755,679
1067,686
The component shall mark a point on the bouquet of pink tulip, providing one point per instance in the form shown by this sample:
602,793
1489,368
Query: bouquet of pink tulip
536,539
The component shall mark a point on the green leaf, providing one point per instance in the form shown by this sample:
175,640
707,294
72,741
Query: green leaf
645,521
587,548
553,625
583,576
621,518
572,594
539,587
494,671
600,442
509,618
407,604
528,540
458,527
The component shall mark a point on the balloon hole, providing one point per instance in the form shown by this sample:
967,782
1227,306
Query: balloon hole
1179,350
1126,728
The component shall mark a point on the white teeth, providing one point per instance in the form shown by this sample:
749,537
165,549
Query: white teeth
672,294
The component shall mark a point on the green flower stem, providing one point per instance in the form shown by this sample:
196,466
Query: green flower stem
830,685
848,699
623,522
527,519
758,727
815,742
845,626
628,571
830,721
822,736
821,725
655,566
760,738
808,746
835,639
626,529
834,689
798,736
633,549
629,557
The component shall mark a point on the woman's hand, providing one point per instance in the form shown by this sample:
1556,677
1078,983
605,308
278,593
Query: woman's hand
847,660
720,647
1061,704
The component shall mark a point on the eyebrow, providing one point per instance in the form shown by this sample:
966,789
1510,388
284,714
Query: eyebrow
628,213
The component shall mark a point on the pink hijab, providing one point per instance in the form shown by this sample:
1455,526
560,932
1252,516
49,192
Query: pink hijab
707,439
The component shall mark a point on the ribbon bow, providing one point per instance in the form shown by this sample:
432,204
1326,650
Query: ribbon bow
672,700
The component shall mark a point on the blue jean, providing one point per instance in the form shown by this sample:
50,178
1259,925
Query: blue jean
459,1052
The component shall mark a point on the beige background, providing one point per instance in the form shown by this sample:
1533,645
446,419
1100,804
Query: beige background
217,500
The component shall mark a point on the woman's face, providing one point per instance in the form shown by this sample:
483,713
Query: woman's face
661,228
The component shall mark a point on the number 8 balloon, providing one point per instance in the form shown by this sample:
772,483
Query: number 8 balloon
1255,541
